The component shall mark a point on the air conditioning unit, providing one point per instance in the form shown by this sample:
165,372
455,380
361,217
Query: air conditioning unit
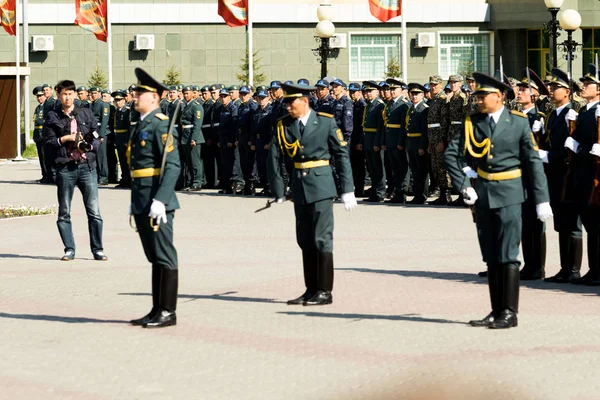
425,39
143,42
42,43
338,41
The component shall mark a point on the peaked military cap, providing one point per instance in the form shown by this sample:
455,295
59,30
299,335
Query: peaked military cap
427,86
303,81
559,78
275,85
384,85
394,83
262,93
435,79
94,89
132,87
465,88
244,90
339,82
487,84
45,85
535,82
292,92
591,75
354,87
180,87
234,87
118,94
223,92
262,87
38,91
146,83
288,82
105,91
205,88
188,88
455,78
370,85
196,88
81,89
416,87
322,83
214,87
469,78
172,88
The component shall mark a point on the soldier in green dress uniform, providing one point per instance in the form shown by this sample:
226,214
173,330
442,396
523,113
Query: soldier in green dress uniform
38,129
121,129
415,140
153,200
190,141
310,139
373,129
101,111
499,145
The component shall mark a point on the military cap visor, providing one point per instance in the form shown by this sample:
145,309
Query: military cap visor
224,93
81,89
591,75
487,84
339,82
262,94
105,91
322,83
354,87
370,85
303,81
204,89
416,88
275,85
147,83
118,95
38,91
559,78
94,89
395,84
188,89
535,81
244,90
292,92
45,85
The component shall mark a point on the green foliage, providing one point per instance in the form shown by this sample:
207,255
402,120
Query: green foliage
173,76
466,68
30,151
393,69
24,211
243,76
98,78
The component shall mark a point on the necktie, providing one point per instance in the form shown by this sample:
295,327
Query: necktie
492,124
301,127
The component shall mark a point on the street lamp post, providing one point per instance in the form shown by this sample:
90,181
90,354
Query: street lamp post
552,28
570,20
325,30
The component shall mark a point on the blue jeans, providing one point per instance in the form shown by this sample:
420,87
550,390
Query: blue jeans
67,177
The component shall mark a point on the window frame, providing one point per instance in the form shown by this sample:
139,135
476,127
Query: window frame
594,49
466,32
372,33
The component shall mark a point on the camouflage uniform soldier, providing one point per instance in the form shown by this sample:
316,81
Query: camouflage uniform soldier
577,101
543,103
513,104
437,129
472,108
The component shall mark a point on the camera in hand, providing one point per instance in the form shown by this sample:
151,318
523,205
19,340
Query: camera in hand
84,146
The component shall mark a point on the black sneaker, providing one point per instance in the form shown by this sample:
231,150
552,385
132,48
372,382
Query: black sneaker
100,256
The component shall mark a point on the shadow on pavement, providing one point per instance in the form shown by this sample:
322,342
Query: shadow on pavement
28,256
222,296
358,317
57,318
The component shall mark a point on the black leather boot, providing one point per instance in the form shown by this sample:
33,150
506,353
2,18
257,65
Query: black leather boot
593,259
534,256
249,189
310,263
571,252
493,274
509,297
443,200
324,281
167,300
156,277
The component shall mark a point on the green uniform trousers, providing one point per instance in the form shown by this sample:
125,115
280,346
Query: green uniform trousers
158,246
499,233
314,226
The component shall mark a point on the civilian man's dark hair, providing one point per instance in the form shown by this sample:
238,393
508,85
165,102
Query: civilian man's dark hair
65,85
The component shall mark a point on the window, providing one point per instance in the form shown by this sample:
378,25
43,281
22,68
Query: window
538,51
462,54
591,46
370,55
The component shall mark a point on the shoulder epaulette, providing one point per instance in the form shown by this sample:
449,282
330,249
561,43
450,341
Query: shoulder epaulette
323,114
463,95
443,96
425,105
380,101
161,116
519,113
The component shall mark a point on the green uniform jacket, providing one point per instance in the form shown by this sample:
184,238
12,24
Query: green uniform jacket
394,123
147,145
38,123
584,163
416,123
512,146
192,117
101,111
121,121
321,139
373,125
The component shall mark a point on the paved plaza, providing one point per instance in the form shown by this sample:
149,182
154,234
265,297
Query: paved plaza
405,286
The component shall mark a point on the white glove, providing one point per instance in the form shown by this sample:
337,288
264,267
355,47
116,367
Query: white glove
278,200
543,155
470,196
544,211
158,211
537,125
572,144
595,150
349,201
597,112
130,209
571,116
469,172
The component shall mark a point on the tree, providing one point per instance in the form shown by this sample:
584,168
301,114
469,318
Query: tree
98,78
243,76
393,69
173,76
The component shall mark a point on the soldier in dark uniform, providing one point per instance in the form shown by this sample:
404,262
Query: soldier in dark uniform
234,93
111,155
373,128
134,115
415,141
553,153
165,102
82,97
210,150
260,137
228,120
278,110
153,200
121,123
247,154
310,139
324,101
437,131
101,112
192,115
357,155
499,144
49,150
38,132
473,107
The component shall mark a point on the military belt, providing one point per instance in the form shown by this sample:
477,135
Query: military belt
133,123
206,126
39,126
413,134
370,129
145,172
311,164
436,125
122,131
456,123
499,176
215,125
187,126
393,126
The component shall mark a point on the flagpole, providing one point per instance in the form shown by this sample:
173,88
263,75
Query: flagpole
250,44
26,61
404,42
109,42
18,82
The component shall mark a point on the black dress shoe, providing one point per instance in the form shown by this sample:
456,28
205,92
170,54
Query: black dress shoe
531,275
195,189
146,318
226,191
506,319
374,200
417,200
396,200
567,277
162,319
482,274
100,256
300,300
485,322
123,186
583,280
320,298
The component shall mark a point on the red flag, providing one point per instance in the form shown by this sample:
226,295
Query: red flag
384,10
234,12
8,16
92,16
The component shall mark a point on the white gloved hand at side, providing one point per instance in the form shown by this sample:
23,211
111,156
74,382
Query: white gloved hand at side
572,144
543,155
571,116
470,196
544,211
537,125
278,200
158,211
595,150
349,201
469,172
